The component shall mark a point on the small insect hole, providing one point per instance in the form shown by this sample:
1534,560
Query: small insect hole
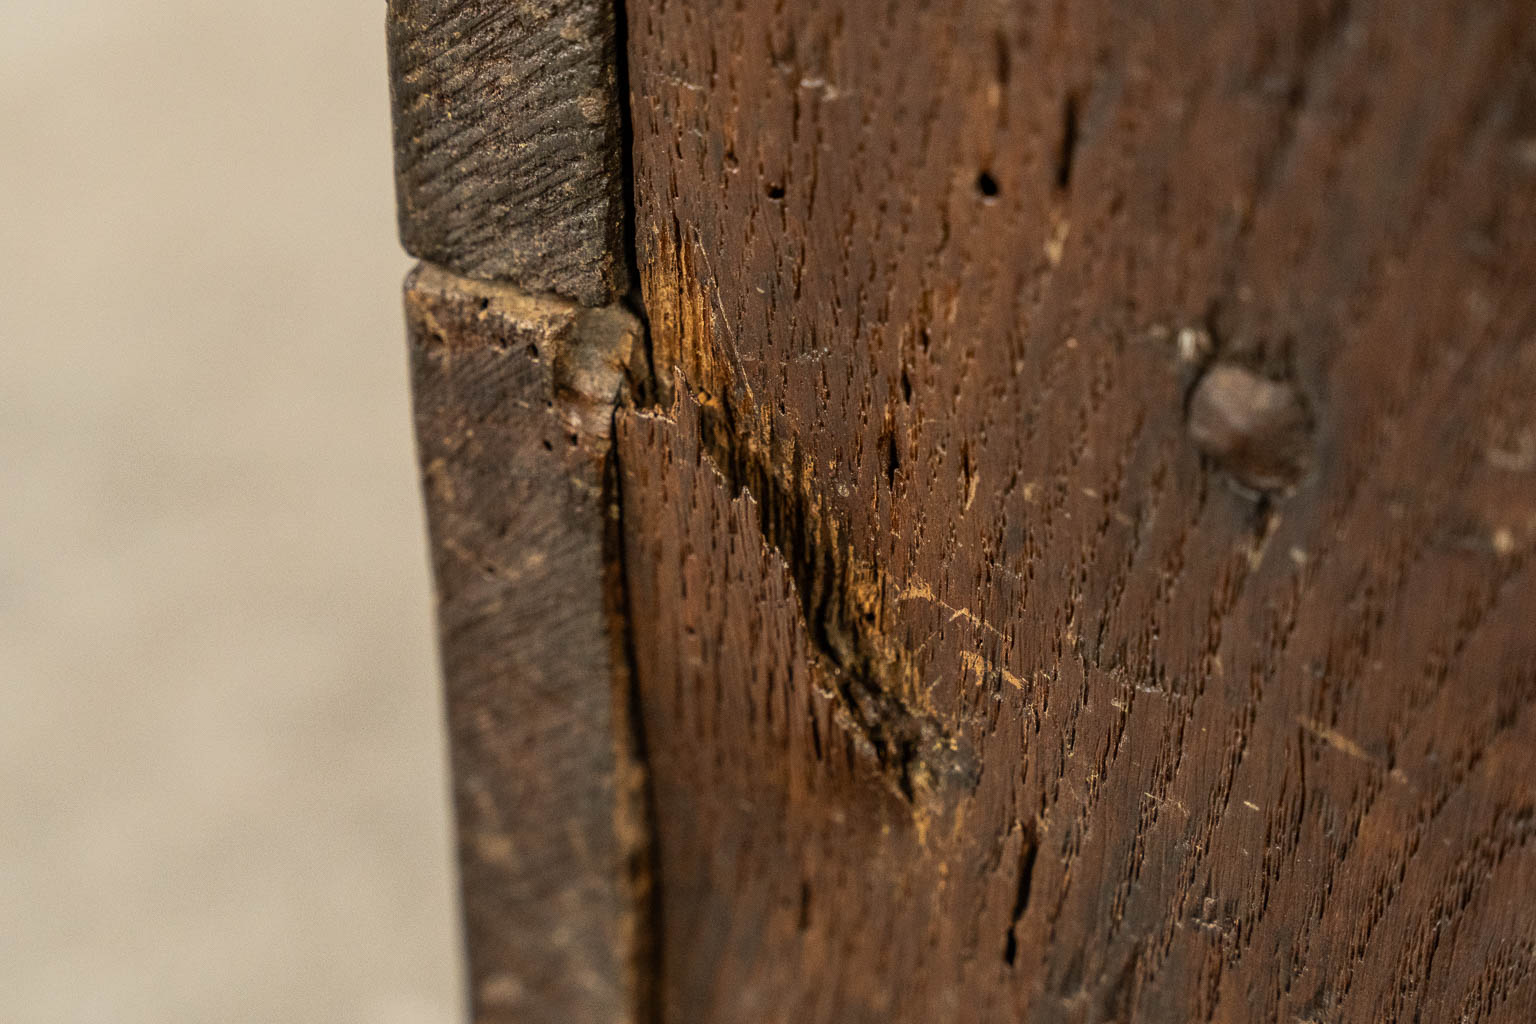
533,352
775,192
548,447
986,184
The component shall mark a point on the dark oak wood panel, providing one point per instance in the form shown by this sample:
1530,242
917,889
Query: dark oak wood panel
1064,552
514,404
507,141
1082,569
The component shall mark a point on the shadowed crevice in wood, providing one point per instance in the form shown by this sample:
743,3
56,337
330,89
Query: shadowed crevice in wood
841,596
1067,152
841,599
635,807
1029,846
645,882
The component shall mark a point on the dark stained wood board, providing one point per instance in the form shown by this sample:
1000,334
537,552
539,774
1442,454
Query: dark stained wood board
1082,570
514,403
508,152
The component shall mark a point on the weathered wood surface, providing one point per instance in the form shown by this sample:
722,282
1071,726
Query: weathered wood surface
510,171
1082,570
514,404
507,141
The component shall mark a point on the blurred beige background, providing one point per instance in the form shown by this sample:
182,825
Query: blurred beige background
222,794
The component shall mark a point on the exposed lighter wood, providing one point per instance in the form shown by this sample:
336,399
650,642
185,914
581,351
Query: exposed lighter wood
507,145
514,403
999,663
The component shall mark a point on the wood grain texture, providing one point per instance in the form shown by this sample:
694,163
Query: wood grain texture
514,403
507,141
1082,569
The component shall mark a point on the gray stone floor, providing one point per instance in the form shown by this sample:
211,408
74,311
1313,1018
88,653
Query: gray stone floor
222,795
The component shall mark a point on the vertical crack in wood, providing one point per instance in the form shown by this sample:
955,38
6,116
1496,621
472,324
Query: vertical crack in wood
634,809
637,806
1029,846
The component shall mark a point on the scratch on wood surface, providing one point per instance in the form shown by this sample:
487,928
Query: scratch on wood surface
1344,745
985,669
923,591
